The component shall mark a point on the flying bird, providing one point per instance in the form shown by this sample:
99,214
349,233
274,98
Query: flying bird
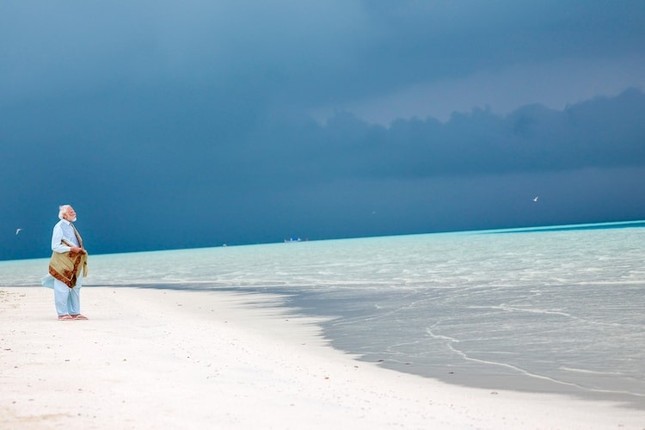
535,199
18,230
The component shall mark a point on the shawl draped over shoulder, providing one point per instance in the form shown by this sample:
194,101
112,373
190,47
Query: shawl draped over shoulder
66,267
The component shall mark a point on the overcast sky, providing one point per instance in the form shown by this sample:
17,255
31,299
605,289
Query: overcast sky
196,123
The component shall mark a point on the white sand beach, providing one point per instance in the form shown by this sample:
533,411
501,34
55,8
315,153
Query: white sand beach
156,359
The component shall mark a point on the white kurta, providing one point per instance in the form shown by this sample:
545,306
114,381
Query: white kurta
67,300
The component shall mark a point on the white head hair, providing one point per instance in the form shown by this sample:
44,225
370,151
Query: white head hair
62,210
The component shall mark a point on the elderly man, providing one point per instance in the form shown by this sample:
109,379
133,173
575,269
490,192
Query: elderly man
67,266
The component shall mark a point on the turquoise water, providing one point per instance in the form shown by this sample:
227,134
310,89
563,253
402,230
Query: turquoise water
554,310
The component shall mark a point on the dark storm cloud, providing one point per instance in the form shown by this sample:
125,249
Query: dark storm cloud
180,124
303,53
252,49
136,166
601,133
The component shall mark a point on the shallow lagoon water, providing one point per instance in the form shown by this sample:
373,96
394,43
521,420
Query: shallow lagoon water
553,310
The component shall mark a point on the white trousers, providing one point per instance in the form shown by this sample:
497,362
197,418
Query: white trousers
67,300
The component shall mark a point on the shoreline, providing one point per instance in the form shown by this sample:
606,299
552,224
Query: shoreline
151,359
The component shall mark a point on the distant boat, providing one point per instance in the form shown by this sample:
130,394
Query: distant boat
292,240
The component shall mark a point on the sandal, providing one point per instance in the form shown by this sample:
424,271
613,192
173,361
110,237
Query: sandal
79,317
65,318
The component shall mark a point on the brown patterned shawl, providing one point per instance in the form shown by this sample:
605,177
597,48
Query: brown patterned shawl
66,266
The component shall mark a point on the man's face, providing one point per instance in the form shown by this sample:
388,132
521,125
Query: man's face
70,214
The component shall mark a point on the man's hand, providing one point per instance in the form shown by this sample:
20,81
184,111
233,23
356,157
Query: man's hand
76,250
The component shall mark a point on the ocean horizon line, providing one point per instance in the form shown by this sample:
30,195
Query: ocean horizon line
500,230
